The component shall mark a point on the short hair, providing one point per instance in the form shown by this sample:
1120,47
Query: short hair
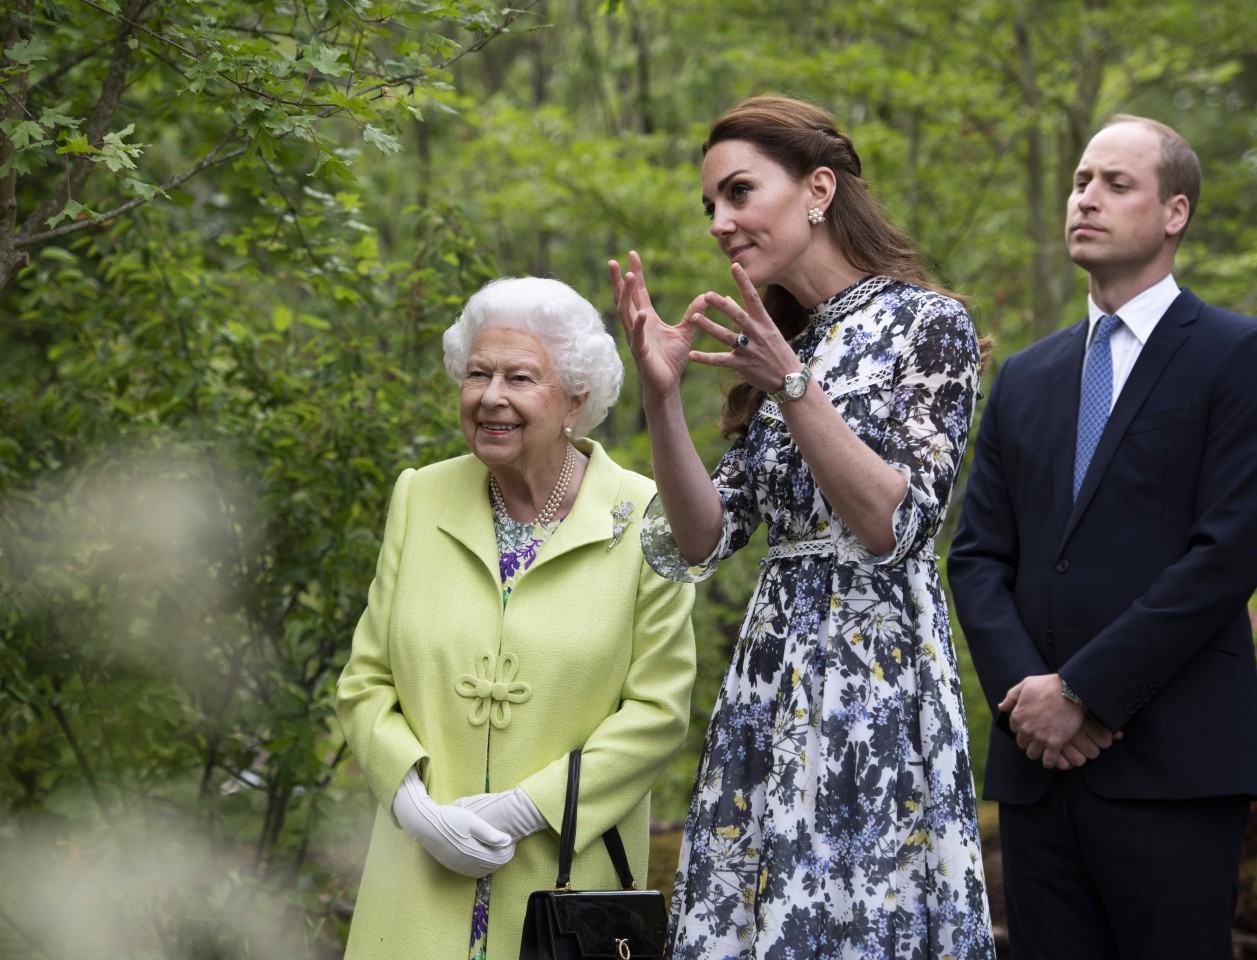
569,327
1178,167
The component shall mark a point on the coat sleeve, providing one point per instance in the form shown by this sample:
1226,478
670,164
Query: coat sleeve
982,566
627,752
1194,598
366,698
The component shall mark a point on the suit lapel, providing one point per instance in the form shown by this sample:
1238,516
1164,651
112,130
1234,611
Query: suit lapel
1063,388
467,517
1170,333
590,519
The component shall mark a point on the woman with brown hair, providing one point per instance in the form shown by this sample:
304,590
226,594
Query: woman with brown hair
834,811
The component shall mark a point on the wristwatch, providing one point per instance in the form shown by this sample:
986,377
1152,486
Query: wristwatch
794,387
1068,693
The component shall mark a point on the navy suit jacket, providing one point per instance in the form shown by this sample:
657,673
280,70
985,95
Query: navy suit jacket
1137,592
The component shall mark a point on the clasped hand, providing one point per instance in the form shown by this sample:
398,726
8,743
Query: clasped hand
1060,733
456,837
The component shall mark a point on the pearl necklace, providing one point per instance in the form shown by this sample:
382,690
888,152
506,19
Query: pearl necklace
546,516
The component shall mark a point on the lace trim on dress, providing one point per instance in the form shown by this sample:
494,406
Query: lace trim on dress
855,296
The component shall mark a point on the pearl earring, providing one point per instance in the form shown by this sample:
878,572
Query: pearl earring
815,216
567,432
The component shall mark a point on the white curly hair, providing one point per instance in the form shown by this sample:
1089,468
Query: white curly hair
568,326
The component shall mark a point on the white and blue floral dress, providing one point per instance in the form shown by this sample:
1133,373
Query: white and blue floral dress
834,812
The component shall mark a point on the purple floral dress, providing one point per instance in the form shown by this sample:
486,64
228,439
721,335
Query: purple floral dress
834,813
518,546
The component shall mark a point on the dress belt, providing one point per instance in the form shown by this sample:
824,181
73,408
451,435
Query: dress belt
827,547
788,549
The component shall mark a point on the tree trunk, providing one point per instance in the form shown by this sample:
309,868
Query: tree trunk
12,107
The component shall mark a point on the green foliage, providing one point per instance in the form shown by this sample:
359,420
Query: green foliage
197,462
247,224
204,405
293,88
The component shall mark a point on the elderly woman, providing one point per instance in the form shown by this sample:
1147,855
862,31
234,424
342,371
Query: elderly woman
512,619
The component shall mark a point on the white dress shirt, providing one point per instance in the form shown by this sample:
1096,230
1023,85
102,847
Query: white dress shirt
1138,316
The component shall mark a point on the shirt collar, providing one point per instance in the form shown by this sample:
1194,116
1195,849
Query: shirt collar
1140,314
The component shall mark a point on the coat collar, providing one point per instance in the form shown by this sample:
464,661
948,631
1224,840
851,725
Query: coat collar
467,516
1170,333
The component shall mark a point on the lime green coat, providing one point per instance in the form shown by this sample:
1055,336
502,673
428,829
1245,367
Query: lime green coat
594,650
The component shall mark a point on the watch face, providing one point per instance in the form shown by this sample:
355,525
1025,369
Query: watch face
795,386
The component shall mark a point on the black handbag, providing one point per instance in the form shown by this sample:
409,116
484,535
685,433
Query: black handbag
567,924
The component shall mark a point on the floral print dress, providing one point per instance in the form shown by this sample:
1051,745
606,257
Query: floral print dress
518,546
834,813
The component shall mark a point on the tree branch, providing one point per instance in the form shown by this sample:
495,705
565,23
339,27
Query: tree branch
13,107
174,183
510,17
79,170
80,758
115,82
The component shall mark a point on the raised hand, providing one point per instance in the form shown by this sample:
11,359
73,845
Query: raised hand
660,350
766,357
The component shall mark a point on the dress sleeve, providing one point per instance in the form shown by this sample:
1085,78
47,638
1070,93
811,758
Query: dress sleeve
366,699
741,517
936,389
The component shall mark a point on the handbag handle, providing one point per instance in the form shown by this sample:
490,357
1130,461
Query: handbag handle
567,835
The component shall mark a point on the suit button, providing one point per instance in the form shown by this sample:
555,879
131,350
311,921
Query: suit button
1062,566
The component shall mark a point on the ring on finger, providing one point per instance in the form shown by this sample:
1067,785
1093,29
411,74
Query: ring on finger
742,340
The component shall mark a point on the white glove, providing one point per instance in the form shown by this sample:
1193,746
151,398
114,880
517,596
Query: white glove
457,838
511,812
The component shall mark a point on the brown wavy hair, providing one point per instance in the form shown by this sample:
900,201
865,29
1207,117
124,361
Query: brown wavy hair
800,137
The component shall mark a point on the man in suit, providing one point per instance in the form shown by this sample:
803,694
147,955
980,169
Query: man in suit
1106,552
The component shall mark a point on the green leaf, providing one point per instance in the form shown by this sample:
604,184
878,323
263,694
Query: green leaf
70,211
330,165
368,247
355,105
146,190
324,59
281,318
53,117
22,133
263,143
387,143
24,161
117,155
77,144
26,52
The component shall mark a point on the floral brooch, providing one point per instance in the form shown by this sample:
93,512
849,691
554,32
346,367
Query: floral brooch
621,517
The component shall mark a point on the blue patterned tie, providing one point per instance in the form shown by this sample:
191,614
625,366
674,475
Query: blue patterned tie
1097,397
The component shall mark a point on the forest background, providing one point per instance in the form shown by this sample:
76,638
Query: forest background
231,234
